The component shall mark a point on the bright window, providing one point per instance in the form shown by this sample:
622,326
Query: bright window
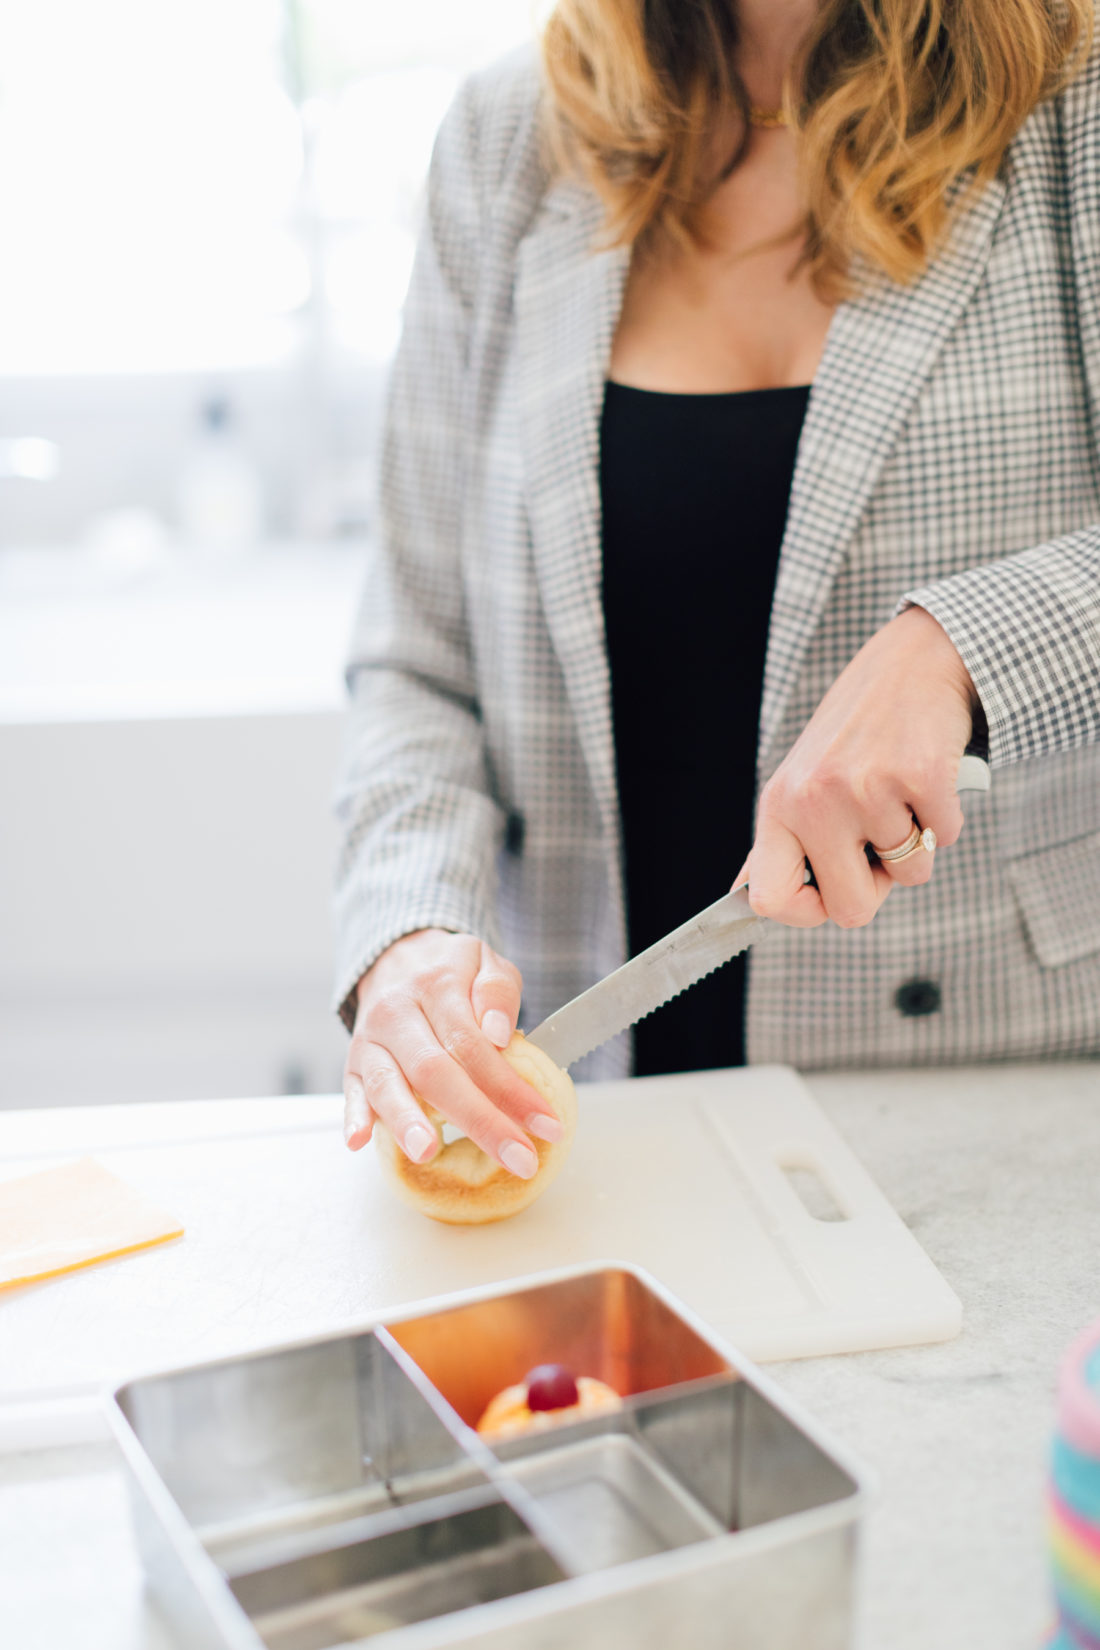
191,185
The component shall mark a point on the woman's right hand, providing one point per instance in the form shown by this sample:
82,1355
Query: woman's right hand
433,1014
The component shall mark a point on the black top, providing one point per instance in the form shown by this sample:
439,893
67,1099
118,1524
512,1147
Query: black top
694,491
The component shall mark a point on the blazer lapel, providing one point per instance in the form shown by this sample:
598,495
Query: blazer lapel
881,348
568,297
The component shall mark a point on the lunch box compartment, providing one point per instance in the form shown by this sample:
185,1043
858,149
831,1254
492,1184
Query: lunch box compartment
350,1592
669,1471
607,1323
258,1450
608,1500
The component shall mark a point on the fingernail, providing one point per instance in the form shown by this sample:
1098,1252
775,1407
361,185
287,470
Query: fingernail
519,1160
497,1027
547,1128
419,1141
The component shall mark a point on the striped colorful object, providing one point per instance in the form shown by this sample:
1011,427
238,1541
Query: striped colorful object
1073,1501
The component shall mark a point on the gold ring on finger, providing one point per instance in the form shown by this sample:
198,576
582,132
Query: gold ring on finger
915,842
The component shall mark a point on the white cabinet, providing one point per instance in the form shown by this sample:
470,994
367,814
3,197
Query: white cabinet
165,839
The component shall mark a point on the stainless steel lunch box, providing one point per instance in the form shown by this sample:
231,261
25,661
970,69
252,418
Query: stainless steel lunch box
334,1491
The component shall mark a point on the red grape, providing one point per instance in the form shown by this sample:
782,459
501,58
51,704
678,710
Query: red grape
551,1387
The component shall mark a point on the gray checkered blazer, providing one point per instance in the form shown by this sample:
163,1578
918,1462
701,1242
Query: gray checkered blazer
950,457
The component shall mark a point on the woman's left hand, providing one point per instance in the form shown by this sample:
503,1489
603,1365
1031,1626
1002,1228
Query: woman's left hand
881,751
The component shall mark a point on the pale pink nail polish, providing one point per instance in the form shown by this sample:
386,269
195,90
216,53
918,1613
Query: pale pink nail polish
419,1141
497,1027
546,1128
519,1160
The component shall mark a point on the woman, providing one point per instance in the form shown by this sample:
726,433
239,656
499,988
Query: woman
601,429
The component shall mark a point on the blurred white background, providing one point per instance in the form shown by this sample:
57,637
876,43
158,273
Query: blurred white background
209,211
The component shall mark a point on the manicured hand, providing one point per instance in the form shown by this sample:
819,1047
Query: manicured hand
433,1014
881,750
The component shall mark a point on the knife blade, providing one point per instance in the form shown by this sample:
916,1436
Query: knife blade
680,959
688,954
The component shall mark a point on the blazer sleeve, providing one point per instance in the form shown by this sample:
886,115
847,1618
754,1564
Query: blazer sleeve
1028,630
1028,626
419,828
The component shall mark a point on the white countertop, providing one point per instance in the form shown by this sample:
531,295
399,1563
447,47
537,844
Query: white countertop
995,1171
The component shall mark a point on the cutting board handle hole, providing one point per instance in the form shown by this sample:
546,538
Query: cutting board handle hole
812,1192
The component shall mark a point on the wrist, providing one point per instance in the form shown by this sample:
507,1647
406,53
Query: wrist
929,633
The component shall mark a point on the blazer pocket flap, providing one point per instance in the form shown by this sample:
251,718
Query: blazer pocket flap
1058,892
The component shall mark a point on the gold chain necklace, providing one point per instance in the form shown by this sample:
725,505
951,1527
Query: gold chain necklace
768,119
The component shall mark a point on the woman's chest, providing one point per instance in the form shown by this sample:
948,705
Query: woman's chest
713,325
734,309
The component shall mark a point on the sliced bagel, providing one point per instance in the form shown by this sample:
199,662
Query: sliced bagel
461,1184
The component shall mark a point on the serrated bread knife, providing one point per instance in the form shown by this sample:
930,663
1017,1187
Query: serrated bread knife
699,946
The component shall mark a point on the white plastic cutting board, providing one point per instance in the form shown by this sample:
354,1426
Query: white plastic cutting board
288,1235
716,1179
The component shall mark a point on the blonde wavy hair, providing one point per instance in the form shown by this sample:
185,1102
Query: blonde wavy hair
892,101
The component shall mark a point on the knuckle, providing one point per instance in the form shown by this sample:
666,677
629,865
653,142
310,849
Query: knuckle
828,779
812,801
766,903
463,1044
868,788
924,777
497,981
773,797
388,1008
376,1083
423,1066
435,980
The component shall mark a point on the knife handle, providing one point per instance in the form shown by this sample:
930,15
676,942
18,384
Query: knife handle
973,775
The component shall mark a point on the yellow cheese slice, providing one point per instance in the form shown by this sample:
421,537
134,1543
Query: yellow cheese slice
60,1219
